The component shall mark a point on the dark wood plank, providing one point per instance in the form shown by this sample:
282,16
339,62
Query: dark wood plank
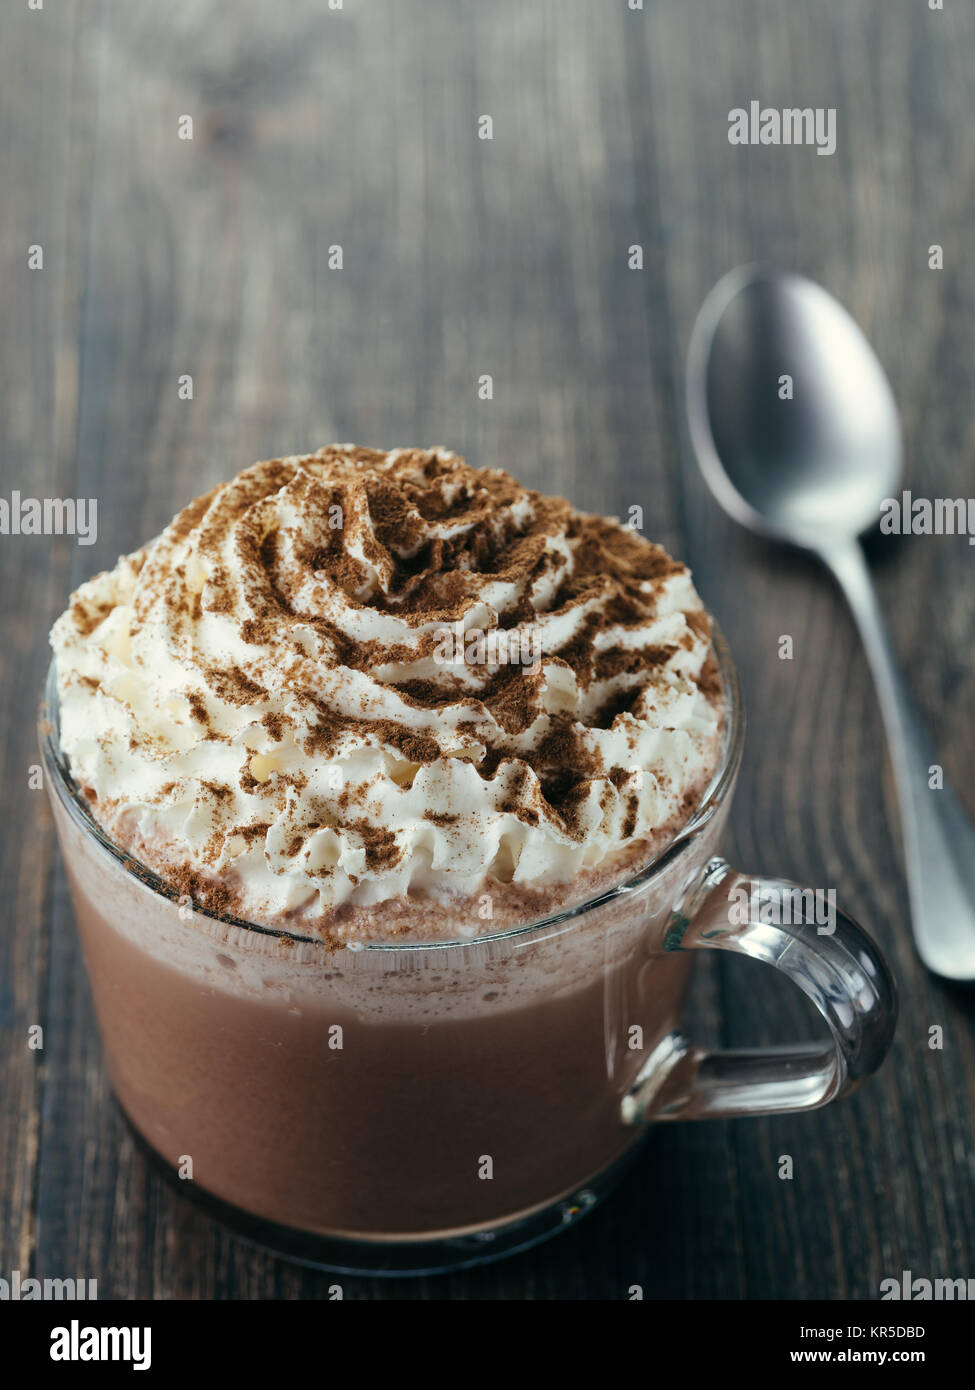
44,134
881,1183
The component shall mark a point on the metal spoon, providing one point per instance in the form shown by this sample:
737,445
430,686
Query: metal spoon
814,470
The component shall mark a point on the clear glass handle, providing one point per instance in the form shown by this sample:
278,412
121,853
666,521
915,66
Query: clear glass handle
836,965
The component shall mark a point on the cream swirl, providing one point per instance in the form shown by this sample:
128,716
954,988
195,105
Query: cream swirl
357,676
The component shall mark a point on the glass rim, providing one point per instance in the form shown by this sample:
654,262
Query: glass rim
74,802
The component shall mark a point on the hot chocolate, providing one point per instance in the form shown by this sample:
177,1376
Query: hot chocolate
326,749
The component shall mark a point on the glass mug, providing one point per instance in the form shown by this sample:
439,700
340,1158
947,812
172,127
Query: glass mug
409,1108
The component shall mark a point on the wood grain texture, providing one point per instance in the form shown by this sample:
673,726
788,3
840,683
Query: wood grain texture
357,127
45,128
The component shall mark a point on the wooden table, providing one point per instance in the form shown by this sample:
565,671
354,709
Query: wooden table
358,127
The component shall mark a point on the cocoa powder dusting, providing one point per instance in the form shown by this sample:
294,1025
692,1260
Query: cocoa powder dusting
360,534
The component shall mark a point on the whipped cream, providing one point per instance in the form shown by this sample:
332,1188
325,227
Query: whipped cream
353,676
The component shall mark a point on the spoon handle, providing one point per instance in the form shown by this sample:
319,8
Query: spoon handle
939,841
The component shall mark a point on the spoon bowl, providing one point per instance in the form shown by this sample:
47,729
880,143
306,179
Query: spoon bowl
792,417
